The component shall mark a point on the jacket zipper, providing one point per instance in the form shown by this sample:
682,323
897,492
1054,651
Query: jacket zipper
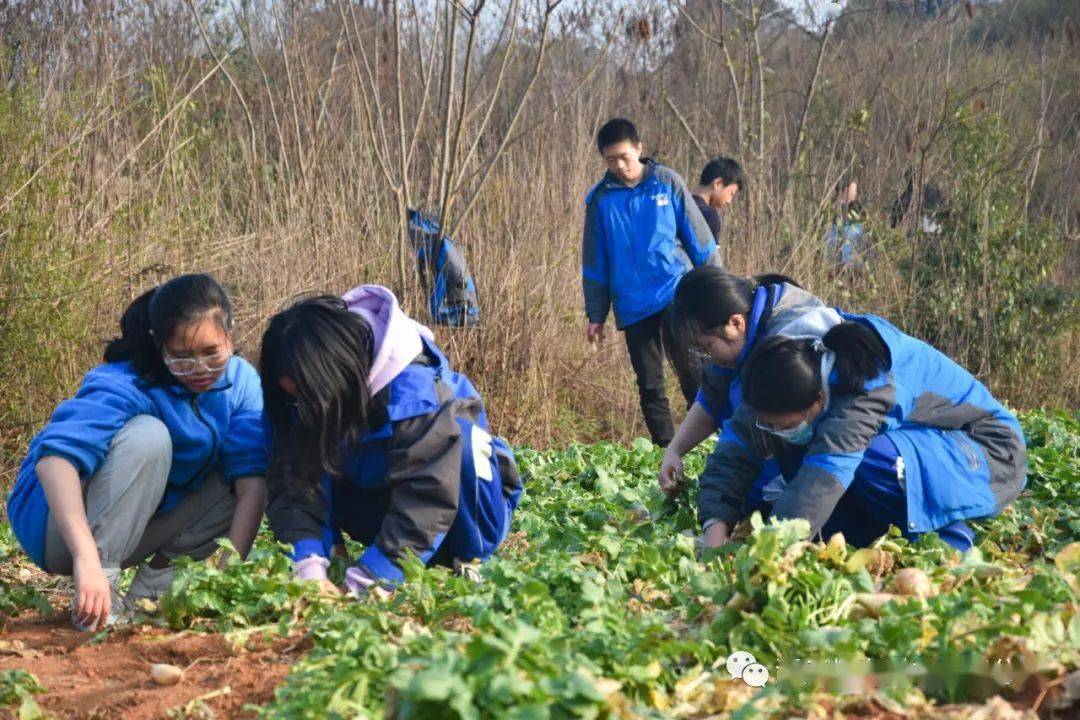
213,435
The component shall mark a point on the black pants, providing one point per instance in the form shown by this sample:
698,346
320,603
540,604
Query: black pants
643,340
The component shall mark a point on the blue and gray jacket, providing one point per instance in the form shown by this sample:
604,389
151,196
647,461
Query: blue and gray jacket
638,242
217,430
979,468
429,469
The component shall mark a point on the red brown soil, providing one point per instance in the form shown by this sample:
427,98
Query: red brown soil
111,678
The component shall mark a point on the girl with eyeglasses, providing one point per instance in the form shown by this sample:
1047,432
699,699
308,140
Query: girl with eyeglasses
712,325
872,428
160,452
374,435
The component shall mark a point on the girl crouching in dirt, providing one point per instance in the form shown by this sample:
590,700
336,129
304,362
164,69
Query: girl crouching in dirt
159,453
372,433
871,428
714,322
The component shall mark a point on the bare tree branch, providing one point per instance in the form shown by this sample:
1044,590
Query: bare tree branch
686,127
540,53
466,88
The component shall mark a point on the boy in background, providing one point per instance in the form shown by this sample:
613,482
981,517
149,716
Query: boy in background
720,179
643,232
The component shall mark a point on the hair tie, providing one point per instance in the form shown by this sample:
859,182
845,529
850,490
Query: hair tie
819,346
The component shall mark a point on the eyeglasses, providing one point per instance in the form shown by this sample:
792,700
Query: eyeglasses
762,425
699,356
181,367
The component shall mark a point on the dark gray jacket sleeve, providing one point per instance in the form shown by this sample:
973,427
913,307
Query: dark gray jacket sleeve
296,512
424,475
595,277
424,478
840,441
730,471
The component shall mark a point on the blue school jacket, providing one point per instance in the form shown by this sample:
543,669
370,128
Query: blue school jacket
217,430
964,454
428,474
638,242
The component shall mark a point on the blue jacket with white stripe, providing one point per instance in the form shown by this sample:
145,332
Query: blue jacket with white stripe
638,242
428,471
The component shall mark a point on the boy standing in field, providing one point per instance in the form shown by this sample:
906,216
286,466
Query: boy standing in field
643,232
720,179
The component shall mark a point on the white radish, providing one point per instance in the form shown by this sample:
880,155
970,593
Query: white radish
165,674
836,549
913,581
872,603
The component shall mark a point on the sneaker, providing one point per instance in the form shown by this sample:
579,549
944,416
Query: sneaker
468,569
147,588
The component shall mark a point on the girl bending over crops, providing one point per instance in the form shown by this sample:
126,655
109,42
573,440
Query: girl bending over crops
871,428
713,323
159,453
373,434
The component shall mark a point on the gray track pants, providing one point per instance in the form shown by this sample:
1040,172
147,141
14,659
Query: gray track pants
123,495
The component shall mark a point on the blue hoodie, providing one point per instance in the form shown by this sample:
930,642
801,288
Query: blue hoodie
638,242
220,429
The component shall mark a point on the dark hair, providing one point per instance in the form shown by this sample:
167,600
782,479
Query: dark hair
724,168
933,199
614,131
326,350
153,317
705,299
784,374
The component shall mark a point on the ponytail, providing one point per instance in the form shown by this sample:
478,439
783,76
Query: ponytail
153,317
860,355
136,342
783,374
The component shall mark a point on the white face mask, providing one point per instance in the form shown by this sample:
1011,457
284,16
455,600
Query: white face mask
801,434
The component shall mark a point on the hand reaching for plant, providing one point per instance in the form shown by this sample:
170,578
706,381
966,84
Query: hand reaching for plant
716,534
93,594
671,474
326,587
362,585
313,569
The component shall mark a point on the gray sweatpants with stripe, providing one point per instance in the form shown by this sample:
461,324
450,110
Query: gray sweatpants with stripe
122,497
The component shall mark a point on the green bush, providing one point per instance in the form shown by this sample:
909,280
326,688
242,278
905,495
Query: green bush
984,290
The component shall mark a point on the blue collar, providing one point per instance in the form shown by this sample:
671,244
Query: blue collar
753,322
180,391
613,183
